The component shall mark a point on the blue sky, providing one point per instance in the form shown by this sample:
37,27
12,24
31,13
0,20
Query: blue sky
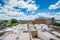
29,9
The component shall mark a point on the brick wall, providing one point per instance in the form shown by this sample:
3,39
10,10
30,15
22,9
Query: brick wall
40,21
34,34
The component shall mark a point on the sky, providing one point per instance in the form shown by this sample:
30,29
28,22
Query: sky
29,9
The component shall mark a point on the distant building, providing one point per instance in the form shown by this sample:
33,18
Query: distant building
40,20
25,21
44,20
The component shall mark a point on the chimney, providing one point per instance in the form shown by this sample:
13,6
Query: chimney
52,20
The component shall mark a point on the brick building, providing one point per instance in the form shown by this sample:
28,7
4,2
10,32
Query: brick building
40,21
44,21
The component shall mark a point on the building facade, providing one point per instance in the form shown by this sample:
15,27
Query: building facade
38,21
44,21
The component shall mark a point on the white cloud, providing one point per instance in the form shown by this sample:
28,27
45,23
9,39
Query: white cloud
15,13
43,15
57,16
55,6
3,17
22,4
32,7
32,17
33,12
29,5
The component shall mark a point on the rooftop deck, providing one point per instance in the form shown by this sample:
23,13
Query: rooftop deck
21,32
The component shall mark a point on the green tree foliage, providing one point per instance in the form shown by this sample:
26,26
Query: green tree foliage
33,23
13,22
57,24
5,21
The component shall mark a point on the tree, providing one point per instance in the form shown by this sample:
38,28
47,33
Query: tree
5,21
57,24
33,23
14,21
2,23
